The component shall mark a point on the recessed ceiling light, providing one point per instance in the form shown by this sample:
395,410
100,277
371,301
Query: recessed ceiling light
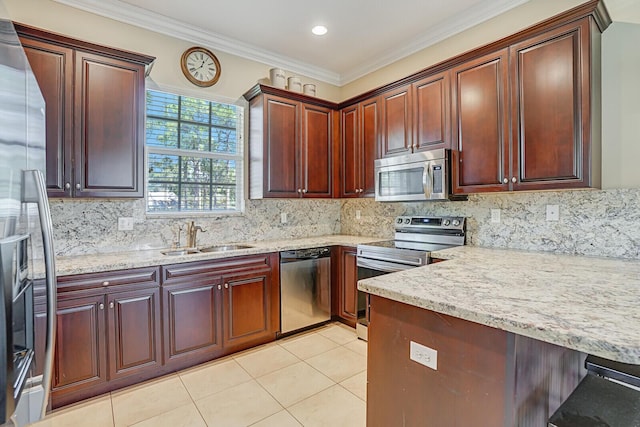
319,30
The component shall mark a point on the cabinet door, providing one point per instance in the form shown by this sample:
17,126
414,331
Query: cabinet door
432,113
53,68
396,108
80,352
350,156
248,307
191,318
134,332
551,109
347,286
109,122
316,152
281,168
481,158
369,141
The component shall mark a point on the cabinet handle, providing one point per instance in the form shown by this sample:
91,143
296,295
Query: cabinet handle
111,304
77,186
219,287
226,286
505,181
101,306
67,186
105,283
514,180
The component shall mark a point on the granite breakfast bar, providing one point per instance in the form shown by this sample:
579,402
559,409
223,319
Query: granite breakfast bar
511,328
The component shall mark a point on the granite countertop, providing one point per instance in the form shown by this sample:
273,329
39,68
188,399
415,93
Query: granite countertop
587,304
66,266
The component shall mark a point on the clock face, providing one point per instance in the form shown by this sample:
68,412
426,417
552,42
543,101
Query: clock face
200,66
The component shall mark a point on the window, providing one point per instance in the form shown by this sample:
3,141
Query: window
194,154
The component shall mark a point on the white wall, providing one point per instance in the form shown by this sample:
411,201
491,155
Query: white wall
238,74
621,106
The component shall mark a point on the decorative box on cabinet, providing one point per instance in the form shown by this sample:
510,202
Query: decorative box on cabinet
290,144
95,114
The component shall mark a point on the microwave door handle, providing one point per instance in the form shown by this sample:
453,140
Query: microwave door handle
427,180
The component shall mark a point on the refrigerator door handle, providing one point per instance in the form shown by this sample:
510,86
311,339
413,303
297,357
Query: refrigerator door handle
50,269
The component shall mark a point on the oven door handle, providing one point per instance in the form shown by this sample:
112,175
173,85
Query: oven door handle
384,266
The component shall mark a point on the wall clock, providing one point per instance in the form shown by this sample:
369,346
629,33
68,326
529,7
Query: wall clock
200,66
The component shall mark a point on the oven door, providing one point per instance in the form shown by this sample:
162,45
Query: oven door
368,268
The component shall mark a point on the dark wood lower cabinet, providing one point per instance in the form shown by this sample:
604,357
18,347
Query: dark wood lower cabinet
346,286
191,320
118,328
484,376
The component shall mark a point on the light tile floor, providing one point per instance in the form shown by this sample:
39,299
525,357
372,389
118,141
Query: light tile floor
316,378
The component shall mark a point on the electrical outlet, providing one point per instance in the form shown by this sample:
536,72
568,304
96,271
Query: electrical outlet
283,217
553,212
495,216
423,355
358,214
125,223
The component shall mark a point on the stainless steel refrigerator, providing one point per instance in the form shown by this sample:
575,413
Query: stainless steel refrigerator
26,244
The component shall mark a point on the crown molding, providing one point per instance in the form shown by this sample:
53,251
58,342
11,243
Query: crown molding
457,24
133,15
124,12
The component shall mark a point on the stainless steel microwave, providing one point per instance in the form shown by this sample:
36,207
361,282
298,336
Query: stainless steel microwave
414,177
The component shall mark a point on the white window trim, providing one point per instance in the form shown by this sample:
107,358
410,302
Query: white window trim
241,156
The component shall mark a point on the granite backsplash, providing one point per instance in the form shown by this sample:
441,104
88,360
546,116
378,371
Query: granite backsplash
592,222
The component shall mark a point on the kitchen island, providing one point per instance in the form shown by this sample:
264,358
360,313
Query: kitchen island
511,329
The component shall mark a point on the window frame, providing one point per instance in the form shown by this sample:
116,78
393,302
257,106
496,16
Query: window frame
240,157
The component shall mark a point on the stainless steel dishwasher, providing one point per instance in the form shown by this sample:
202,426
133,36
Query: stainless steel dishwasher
305,288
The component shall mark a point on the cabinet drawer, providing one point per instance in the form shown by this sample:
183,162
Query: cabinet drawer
178,273
110,281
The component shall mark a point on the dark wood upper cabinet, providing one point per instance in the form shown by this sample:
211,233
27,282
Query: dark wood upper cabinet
481,132
95,114
396,112
432,114
359,144
290,144
552,109
53,67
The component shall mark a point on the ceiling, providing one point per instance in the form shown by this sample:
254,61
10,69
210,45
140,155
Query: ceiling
364,35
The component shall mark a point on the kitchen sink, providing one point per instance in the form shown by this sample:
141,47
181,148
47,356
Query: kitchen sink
216,248
178,252
224,248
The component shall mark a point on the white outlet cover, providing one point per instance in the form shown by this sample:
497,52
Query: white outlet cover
553,213
125,223
358,214
495,216
423,355
283,217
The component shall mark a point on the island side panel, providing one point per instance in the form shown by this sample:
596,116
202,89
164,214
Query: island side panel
468,387
484,376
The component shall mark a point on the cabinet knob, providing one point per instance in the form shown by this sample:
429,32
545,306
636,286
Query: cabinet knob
67,186
105,283
514,180
304,190
226,286
77,186
505,181
111,304
219,287
101,306
299,190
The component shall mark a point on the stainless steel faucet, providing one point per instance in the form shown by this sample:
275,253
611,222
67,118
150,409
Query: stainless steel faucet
192,234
